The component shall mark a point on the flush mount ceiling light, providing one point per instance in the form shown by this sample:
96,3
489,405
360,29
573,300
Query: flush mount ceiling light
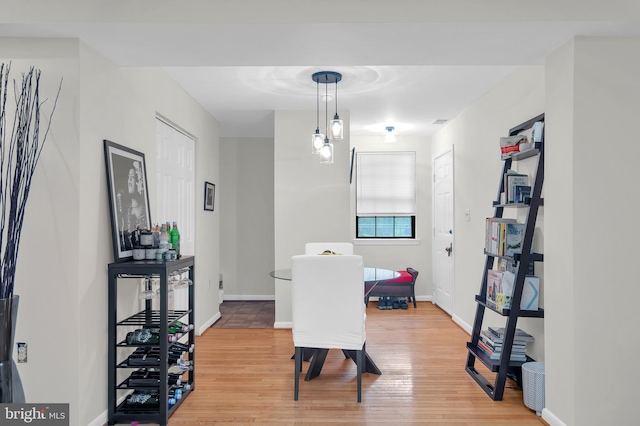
334,129
390,135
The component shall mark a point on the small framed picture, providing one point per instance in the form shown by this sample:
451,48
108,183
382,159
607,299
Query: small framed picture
128,197
209,196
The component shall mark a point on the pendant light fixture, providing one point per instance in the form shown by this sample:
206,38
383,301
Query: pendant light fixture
320,142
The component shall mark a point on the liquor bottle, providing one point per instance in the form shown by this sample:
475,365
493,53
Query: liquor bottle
175,239
164,238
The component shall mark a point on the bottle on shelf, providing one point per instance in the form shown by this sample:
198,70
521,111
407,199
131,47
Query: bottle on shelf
179,369
151,377
175,239
183,346
148,336
185,327
143,400
163,246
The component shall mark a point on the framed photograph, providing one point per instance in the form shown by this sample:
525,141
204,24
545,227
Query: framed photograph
209,196
128,197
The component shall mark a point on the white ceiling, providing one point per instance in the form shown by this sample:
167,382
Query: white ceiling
405,69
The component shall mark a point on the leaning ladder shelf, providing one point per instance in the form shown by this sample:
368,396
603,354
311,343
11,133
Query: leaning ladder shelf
148,317
504,367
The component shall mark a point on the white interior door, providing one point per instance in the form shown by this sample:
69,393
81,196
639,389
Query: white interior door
175,177
443,250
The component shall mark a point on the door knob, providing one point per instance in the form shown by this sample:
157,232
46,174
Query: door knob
449,249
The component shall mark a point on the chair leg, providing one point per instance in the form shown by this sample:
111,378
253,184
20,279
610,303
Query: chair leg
296,372
413,294
360,369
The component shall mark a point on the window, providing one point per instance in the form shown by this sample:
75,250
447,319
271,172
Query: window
385,194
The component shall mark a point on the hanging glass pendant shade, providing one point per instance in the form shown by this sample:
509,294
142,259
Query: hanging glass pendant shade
336,128
317,140
326,153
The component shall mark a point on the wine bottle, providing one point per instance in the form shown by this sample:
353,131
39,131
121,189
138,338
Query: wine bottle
142,336
143,400
179,369
143,359
183,346
175,393
185,327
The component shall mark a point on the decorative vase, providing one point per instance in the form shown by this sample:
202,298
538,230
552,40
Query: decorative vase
11,390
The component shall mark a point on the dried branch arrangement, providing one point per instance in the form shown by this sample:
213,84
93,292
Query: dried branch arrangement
21,143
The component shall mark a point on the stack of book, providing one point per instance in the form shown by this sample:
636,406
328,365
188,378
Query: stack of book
492,338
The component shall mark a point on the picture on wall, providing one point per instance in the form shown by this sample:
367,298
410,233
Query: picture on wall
209,195
128,197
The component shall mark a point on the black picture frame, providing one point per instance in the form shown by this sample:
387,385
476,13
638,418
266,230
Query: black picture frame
128,197
209,196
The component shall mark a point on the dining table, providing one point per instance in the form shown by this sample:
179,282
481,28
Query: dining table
317,356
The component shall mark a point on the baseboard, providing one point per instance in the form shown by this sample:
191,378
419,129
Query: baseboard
209,323
466,327
103,418
243,297
283,324
424,298
550,418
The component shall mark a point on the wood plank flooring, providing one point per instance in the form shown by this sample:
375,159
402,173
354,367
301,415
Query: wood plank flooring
243,314
246,376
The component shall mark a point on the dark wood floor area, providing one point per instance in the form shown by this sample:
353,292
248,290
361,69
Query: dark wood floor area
245,375
246,314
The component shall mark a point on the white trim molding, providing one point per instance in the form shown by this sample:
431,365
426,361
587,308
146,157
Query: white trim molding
550,418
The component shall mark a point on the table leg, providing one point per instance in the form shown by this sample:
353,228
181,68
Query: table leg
316,364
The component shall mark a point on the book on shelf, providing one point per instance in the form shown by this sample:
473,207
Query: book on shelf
503,299
511,180
520,335
495,235
521,193
512,266
518,352
494,281
514,237
510,145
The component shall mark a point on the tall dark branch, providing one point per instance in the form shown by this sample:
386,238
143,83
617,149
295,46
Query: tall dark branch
19,154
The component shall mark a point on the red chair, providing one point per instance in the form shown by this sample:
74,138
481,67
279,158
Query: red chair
403,286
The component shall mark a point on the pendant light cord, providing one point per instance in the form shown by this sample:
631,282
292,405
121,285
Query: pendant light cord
326,107
318,106
336,98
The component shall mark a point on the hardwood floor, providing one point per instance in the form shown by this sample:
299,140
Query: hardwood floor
246,376
243,314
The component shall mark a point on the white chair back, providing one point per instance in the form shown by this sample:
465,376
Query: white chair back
318,248
328,301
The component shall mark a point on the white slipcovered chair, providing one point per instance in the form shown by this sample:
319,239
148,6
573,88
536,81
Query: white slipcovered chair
318,248
328,309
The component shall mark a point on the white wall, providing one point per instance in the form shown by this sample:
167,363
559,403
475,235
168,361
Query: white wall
475,134
560,370
593,88
400,255
246,202
49,315
66,243
311,199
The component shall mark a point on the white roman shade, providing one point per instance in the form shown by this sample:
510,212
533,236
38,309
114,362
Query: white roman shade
386,183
